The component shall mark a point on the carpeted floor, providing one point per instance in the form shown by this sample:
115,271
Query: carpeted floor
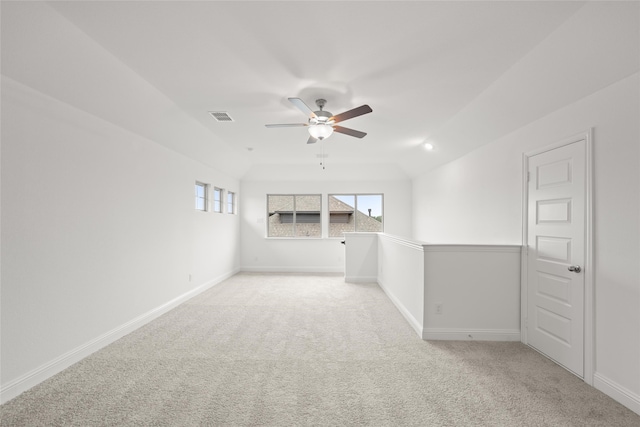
298,350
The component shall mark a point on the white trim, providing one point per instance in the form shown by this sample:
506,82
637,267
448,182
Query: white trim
402,309
432,247
25,382
524,261
589,265
567,141
213,199
471,334
233,202
361,279
413,244
295,238
310,269
589,298
360,234
617,392
205,189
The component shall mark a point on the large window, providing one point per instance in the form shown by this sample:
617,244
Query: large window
201,196
355,213
294,215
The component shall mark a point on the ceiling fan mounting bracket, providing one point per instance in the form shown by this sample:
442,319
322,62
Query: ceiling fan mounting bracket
321,103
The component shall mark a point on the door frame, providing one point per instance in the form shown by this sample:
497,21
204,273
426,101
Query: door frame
589,296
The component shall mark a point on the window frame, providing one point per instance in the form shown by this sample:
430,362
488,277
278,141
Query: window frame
220,191
294,215
355,208
205,198
231,208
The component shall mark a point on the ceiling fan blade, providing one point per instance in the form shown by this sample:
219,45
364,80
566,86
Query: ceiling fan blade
349,132
289,125
299,103
363,109
311,140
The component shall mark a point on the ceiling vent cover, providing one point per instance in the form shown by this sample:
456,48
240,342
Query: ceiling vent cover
221,116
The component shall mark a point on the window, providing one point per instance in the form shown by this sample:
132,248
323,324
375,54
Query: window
231,202
355,213
201,196
294,215
217,199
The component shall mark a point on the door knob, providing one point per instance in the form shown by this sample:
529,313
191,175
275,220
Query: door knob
575,268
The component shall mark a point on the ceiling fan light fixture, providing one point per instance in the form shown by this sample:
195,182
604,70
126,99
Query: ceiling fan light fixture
321,124
320,131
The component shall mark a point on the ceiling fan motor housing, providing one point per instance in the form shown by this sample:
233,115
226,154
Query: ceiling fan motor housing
322,117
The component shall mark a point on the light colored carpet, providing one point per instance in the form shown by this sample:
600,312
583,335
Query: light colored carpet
298,350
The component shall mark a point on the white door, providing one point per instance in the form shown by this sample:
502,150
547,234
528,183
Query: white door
556,254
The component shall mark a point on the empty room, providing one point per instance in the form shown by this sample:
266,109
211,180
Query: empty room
277,213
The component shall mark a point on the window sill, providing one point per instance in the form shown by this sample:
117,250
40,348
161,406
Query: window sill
316,238
293,238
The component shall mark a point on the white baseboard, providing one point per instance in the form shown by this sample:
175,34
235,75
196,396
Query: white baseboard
293,270
25,382
415,324
617,392
471,334
361,279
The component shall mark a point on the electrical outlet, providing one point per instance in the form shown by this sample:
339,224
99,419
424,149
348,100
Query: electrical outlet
438,308
189,277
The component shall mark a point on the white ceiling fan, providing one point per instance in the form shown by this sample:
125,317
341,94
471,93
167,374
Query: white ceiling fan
321,124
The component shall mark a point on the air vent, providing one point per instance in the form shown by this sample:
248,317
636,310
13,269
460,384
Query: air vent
221,116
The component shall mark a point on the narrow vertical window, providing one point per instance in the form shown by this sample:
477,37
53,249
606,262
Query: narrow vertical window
201,196
231,202
217,199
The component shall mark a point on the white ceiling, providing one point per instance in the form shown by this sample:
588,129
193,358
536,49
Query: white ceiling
421,66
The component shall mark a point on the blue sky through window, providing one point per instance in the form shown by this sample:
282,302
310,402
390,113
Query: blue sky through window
365,202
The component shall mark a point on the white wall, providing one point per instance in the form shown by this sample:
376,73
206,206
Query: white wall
98,228
45,51
361,258
401,274
445,292
98,225
594,48
259,253
591,62
478,290
478,199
